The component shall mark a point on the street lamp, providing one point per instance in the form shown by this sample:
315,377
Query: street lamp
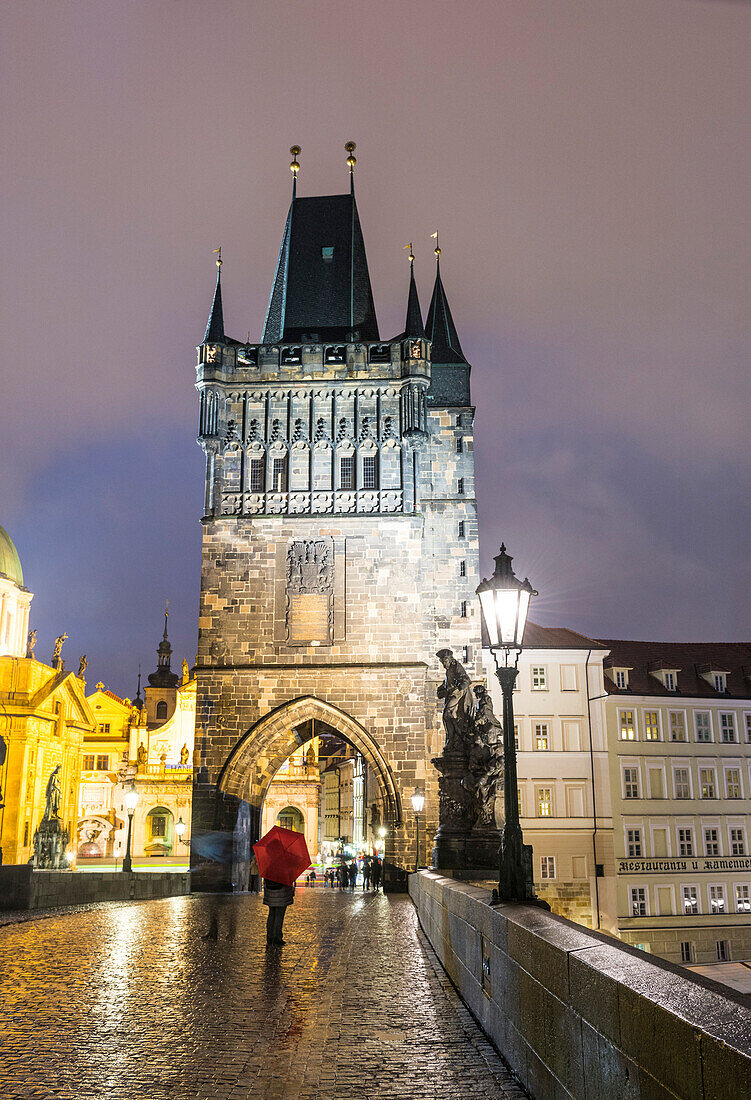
418,801
504,602
180,829
131,801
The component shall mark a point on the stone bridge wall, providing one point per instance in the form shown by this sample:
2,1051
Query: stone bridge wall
577,1014
23,887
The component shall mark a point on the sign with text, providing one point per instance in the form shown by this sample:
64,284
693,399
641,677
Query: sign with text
308,618
682,866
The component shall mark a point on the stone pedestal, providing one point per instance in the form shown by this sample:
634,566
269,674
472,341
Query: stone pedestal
50,842
460,842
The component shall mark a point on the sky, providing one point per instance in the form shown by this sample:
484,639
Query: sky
587,165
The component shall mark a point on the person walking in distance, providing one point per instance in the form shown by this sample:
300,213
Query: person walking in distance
352,874
253,879
375,873
366,873
277,896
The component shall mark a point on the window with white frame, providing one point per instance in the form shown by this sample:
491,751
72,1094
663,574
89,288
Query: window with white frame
626,727
686,841
723,950
727,727
539,678
708,782
747,723
737,841
638,901
547,867
651,725
690,898
687,951
682,783
670,681
711,842
742,897
542,736
717,898
720,681
732,782
621,679
677,725
634,848
703,725
544,802
630,782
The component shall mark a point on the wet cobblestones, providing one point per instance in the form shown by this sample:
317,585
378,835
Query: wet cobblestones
130,1002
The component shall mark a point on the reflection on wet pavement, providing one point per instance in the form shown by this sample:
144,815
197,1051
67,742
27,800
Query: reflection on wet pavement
179,999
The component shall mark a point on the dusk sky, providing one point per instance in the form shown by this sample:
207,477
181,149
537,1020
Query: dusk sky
587,163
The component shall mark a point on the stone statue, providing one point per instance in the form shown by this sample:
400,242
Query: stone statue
486,757
52,804
458,703
186,672
82,666
31,641
141,755
56,658
184,754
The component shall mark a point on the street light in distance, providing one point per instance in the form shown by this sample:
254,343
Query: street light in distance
418,801
131,801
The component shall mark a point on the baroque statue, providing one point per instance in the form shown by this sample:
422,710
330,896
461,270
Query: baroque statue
82,666
50,838
486,757
458,703
184,754
52,795
141,755
31,641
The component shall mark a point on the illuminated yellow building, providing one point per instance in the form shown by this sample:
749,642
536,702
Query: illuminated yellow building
102,756
44,717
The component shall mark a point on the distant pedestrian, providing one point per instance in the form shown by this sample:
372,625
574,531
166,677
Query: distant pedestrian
343,876
253,876
375,873
352,875
277,896
366,874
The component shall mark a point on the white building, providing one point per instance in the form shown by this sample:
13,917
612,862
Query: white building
15,600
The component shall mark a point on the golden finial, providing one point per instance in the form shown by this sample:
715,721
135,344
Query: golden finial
411,253
351,159
436,249
294,166
218,254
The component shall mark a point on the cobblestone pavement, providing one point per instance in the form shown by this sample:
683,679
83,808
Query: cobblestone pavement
130,1002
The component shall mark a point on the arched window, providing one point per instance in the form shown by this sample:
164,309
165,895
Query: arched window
159,832
291,818
161,710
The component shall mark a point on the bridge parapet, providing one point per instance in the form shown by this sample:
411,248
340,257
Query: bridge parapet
578,1014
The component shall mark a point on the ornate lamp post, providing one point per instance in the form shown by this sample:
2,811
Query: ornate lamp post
418,801
504,602
180,829
131,801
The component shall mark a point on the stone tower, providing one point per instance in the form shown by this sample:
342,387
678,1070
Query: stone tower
340,547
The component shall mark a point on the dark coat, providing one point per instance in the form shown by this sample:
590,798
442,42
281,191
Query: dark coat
276,894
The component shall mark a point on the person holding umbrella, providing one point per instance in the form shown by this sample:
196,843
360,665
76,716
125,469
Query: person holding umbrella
282,856
277,895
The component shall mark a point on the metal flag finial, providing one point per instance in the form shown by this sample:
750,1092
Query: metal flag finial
218,254
411,253
437,249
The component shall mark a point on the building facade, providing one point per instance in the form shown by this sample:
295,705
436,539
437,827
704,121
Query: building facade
340,530
679,737
293,799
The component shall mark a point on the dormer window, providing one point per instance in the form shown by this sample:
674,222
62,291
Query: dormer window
670,681
720,682
716,676
667,676
621,678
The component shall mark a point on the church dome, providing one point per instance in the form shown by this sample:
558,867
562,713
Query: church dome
10,563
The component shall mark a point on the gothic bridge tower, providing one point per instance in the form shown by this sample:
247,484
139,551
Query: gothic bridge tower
340,546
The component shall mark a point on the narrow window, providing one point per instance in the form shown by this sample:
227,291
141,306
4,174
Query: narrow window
161,710
627,732
737,842
539,678
677,725
459,445
631,782
88,762
717,899
651,725
516,735
727,728
633,843
748,728
685,842
542,736
687,951
462,568
723,951
670,681
257,475
462,535
547,867
711,843
369,472
621,679
460,486
466,654
708,783
464,609
638,901
720,682
347,472
733,782
279,475
544,802
690,895
102,763
703,726
681,783
742,898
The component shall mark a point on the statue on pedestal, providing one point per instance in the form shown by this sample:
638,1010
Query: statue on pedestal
31,641
458,702
456,798
486,758
184,754
50,838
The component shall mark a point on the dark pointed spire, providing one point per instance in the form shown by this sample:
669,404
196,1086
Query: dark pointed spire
138,700
215,327
413,325
439,327
164,677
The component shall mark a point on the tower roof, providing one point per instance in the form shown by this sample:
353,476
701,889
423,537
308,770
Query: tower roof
215,326
440,328
163,677
413,325
321,289
10,563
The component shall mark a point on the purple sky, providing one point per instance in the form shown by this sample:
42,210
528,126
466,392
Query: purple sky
588,167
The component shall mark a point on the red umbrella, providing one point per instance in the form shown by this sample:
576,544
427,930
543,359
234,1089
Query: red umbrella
282,855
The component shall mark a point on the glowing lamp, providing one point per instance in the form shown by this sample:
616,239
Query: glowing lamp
131,799
504,602
180,828
418,800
